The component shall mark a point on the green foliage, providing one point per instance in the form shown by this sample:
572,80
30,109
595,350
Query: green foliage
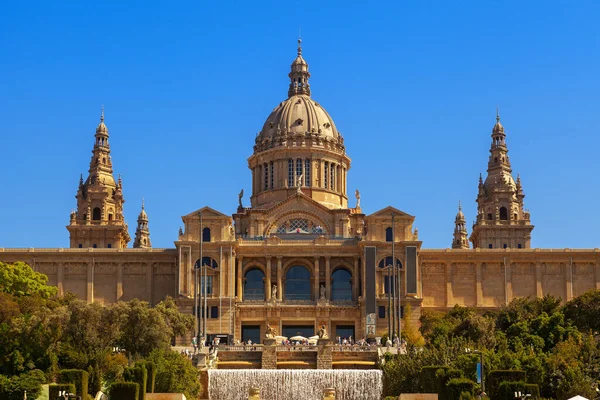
19,279
151,368
77,377
428,378
495,378
14,387
443,377
175,373
584,311
506,390
137,375
54,389
457,386
124,391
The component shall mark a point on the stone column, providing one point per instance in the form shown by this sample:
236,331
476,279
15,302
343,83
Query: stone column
538,281
60,277
279,279
328,277
149,283
316,281
478,288
268,279
90,282
508,278
355,280
239,279
569,280
119,281
597,276
449,296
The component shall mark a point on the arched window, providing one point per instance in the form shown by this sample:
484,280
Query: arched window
266,174
297,283
326,175
389,235
207,261
341,286
503,214
254,285
298,168
271,175
388,261
96,214
206,234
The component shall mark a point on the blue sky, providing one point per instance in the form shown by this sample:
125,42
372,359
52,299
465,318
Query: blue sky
412,85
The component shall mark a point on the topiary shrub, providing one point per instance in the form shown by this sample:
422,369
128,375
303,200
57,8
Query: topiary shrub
428,381
495,378
54,388
443,377
534,390
78,377
124,391
457,386
138,375
151,368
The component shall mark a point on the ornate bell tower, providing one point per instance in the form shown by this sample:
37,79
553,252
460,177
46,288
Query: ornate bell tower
98,221
460,240
142,233
501,222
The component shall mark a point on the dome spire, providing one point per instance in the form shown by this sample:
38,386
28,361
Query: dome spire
299,75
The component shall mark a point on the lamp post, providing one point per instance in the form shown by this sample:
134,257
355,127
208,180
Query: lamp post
468,350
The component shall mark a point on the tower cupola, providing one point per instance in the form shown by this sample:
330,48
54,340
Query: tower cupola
460,239
299,75
142,232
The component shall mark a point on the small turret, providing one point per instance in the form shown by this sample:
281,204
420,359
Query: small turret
460,240
142,233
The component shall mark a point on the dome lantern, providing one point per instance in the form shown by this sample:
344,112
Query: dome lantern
299,75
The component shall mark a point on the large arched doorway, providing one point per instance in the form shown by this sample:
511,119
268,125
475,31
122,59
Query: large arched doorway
341,285
254,285
297,283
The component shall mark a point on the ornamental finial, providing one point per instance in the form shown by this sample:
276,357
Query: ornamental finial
102,114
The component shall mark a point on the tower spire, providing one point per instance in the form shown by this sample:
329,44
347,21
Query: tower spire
299,75
460,240
99,220
142,233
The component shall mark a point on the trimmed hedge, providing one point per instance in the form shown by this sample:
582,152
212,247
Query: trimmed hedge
78,377
55,388
495,378
137,375
443,377
457,386
507,389
151,368
428,379
124,391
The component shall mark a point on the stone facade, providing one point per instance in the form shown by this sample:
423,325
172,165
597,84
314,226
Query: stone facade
295,257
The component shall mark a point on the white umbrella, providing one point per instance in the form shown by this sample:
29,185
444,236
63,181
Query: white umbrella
299,338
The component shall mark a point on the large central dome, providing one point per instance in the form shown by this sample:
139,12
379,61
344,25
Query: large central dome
299,114
299,150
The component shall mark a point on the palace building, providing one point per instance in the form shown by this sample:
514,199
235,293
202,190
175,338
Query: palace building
302,254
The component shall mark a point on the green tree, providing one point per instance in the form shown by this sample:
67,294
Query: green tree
584,311
19,279
175,373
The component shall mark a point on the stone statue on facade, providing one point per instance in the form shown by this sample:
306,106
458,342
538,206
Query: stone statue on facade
357,194
240,198
323,292
322,333
299,183
270,333
274,292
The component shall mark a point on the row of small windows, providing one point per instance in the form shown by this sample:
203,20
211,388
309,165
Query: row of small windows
298,167
505,246
382,312
214,312
95,246
503,215
302,168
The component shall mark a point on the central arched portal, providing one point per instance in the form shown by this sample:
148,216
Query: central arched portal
297,283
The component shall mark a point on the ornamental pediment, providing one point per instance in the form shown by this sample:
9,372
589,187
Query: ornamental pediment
386,212
207,212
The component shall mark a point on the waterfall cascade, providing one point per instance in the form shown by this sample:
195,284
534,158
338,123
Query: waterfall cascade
287,384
